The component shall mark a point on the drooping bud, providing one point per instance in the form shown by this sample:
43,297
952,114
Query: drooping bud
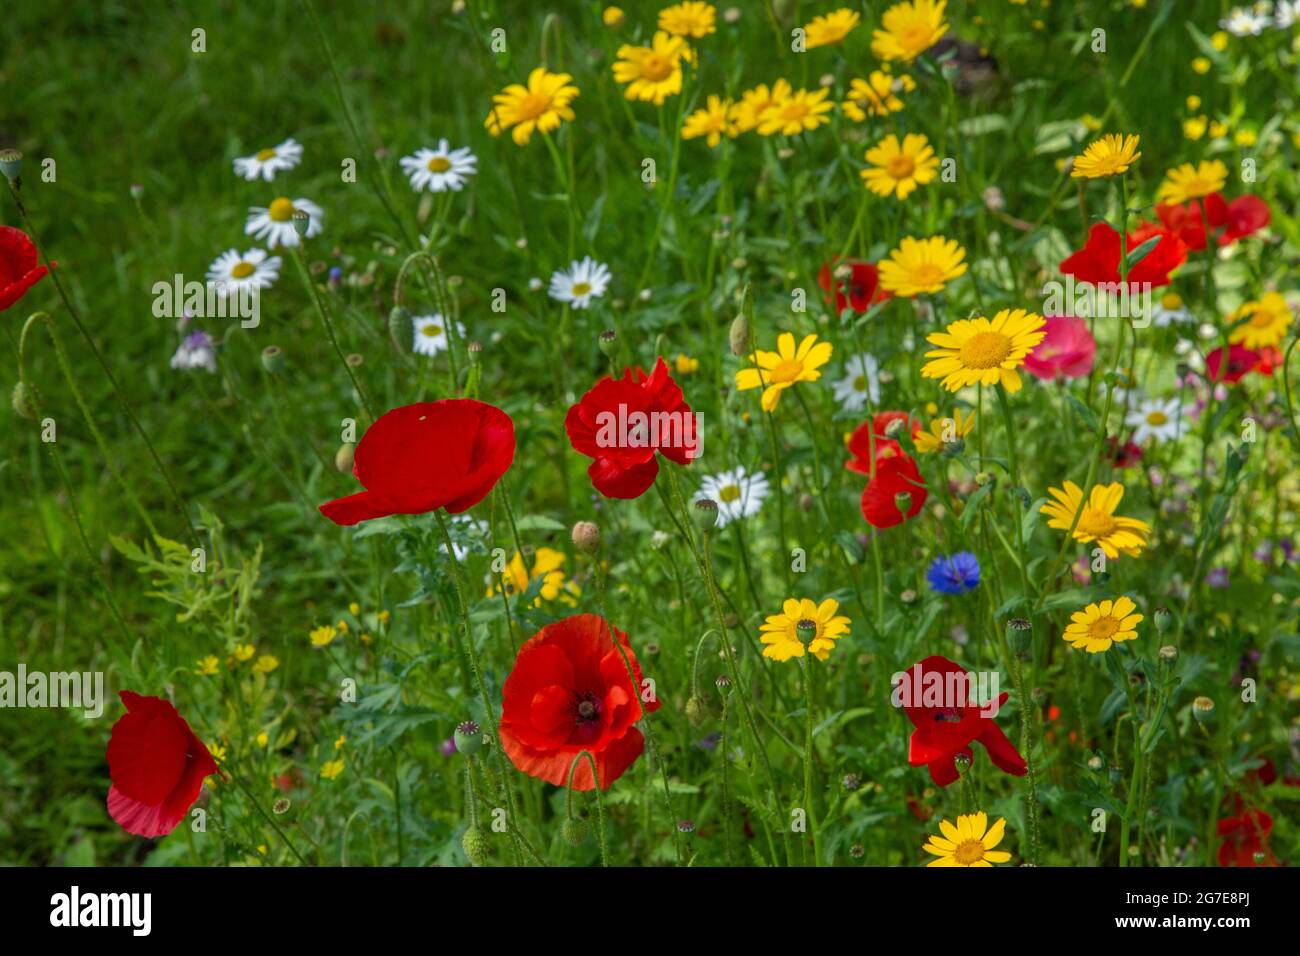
400,327
477,847
696,710
574,831
22,401
586,536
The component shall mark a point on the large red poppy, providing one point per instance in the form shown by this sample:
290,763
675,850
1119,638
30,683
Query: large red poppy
1241,361
1234,220
430,455
946,728
569,691
1098,261
860,289
156,764
20,267
621,423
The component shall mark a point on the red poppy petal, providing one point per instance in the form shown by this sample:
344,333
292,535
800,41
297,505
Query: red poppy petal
1001,751
147,749
613,481
353,509
138,817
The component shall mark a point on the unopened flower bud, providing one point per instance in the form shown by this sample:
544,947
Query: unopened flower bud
696,710
962,760
137,191
477,847
1169,654
475,352
705,513
738,337
343,457
586,536
22,401
400,327
723,683
574,831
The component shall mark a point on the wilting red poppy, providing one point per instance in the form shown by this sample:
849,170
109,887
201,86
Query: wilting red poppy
860,289
861,443
621,424
1241,361
939,697
569,691
1098,261
430,455
1245,840
19,266
157,766
1234,220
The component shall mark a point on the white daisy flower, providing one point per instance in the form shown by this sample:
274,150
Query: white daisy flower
1242,22
268,162
582,282
232,272
431,334
196,350
274,224
440,169
1286,14
861,381
737,493
1155,418
1170,310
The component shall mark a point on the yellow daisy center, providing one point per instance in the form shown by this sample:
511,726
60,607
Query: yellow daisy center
971,851
860,383
264,154
1157,418
432,330
1103,629
1096,523
926,274
787,370
794,110
900,166
531,106
439,164
1261,319
1171,300
581,288
242,270
985,349
915,36
656,67
281,210
729,493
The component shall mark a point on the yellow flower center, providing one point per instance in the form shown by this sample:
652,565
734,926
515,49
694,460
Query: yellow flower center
787,370
264,154
860,383
985,349
971,851
926,274
1261,319
432,330
1171,300
729,493
439,164
242,270
1096,523
915,36
794,111
581,288
1157,418
656,68
1103,628
531,106
281,210
900,166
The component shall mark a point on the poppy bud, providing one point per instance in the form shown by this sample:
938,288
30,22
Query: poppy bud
477,848
574,831
301,222
1162,618
608,342
696,711
22,401
1203,709
739,335
586,536
343,457
468,737
1020,634
1169,654
273,359
705,513
400,327
11,164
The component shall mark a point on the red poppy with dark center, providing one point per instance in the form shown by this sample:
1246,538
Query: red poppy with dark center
939,697
156,764
430,455
569,691
20,267
1234,220
622,423
1098,261
860,289
1245,840
1241,361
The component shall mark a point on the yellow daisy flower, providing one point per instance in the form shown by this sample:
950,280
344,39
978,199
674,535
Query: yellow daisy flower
922,265
830,28
899,168
755,103
266,663
541,105
323,636
690,19
821,627
713,121
1201,65
263,738
802,110
652,73
1195,127
330,769
970,843
987,351
612,17
1270,317
944,430
1098,522
1192,182
208,666
244,652
685,365
877,95
909,29
777,371
1109,156
548,564
1217,130
1098,626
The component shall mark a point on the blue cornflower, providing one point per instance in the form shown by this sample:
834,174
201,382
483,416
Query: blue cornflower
955,575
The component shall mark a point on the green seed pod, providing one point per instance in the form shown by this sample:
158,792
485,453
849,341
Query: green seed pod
705,513
477,847
574,831
1020,635
468,738
273,359
696,711
11,164
1203,709
400,328
1163,619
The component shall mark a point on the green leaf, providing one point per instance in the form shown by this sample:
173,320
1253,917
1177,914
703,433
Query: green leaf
539,523
1084,412
973,503
1030,521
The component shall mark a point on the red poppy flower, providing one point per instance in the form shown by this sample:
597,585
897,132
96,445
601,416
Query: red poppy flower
430,455
1234,220
860,442
621,423
895,473
568,692
861,289
1098,261
1241,361
157,766
1245,840
1122,456
947,728
1269,359
19,266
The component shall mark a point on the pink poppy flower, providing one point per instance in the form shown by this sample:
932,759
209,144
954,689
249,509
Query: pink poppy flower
1066,351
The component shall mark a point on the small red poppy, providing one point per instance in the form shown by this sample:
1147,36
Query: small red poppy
860,289
895,473
1245,840
946,729
569,691
19,266
1242,217
861,443
156,764
1241,361
430,455
621,423
1098,261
